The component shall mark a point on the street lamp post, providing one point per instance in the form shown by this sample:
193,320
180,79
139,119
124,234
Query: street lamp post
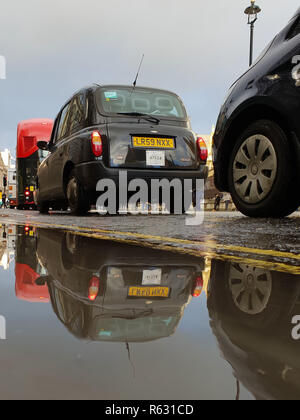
252,12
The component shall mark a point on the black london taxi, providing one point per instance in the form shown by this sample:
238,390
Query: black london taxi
102,130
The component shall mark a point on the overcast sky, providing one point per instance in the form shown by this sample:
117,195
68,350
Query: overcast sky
196,48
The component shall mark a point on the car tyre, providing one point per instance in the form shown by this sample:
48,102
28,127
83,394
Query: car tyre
77,199
261,172
43,207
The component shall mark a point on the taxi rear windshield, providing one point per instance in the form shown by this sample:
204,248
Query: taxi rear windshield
140,101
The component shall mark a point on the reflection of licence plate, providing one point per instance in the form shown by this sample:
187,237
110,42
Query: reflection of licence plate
155,158
152,277
155,143
149,292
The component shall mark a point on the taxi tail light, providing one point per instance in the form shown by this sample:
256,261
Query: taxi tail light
202,149
94,287
198,287
97,145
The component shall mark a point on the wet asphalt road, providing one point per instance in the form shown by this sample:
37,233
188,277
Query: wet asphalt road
91,314
274,243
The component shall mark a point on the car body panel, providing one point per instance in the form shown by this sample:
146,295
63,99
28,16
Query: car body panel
269,87
122,153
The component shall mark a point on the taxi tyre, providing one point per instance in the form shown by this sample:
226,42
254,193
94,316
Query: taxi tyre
281,200
43,207
59,207
78,200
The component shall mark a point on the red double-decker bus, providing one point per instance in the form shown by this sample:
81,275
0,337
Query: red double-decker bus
29,157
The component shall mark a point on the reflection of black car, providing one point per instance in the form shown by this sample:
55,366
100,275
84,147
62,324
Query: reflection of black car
102,130
106,291
257,138
251,311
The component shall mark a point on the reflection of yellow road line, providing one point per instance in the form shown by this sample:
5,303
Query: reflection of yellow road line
272,266
206,245
209,249
213,246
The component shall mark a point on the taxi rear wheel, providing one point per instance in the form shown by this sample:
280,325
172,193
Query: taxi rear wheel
43,207
77,199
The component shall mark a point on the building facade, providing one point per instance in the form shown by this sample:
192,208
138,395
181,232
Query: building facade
3,173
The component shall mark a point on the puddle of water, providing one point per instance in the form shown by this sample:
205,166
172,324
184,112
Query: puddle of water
85,318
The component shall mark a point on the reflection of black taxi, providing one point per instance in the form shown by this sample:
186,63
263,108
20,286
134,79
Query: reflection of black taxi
114,292
257,138
251,311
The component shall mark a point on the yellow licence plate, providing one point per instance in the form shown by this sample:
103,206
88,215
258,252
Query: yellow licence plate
149,292
153,143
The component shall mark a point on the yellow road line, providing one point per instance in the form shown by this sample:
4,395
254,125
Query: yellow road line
210,245
134,239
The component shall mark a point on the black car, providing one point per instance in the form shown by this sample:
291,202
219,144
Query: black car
251,311
104,129
257,139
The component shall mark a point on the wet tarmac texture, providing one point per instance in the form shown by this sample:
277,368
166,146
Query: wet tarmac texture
86,318
274,243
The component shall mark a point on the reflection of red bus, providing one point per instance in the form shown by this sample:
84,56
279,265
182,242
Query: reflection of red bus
30,275
27,285
29,157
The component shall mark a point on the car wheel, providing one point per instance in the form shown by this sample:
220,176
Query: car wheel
250,287
261,172
77,199
251,296
43,207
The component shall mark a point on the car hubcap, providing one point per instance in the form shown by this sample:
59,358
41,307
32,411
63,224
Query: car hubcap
72,192
251,288
255,169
